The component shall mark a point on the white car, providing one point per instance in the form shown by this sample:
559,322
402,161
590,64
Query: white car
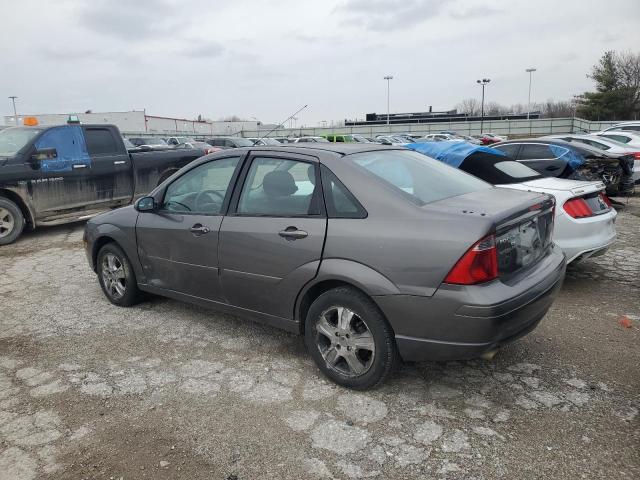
585,219
625,126
630,139
610,145
308,140
440,137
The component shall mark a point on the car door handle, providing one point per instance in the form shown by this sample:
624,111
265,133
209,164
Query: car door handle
551,168
119,162
79,165
199,229
292,233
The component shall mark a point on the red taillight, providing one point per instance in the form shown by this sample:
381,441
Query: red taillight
606,200
577,208
636,155
478,265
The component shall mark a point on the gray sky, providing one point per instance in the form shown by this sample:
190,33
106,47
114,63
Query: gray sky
265,59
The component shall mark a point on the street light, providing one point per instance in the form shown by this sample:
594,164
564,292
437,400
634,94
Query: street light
388,78
483,83
15,115
530,72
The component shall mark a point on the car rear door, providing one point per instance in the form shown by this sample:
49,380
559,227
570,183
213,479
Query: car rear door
178,243
272,238
545,160
111,170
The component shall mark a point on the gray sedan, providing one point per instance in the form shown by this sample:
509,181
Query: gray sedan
373,253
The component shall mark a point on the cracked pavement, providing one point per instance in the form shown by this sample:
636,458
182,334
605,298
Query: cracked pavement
169,390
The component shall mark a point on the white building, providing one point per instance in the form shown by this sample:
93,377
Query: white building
138,122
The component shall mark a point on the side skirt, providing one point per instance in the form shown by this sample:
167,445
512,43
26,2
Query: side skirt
289,325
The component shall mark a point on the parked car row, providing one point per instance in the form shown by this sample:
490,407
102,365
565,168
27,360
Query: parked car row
584,216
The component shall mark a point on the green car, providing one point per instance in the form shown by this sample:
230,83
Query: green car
340,138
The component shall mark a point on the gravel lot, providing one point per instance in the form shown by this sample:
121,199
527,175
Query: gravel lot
166,390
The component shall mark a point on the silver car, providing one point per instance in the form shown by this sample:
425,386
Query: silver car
373,253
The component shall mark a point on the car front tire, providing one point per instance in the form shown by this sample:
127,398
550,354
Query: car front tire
11,221
116,276
349,339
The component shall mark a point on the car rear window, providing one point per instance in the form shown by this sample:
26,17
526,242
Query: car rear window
419,178
516,170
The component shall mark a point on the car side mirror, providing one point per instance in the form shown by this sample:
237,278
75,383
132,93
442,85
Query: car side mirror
145,204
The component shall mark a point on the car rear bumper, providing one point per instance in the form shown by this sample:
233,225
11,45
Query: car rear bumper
462,322
584,237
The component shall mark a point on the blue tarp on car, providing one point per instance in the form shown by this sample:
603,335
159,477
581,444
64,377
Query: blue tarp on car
573,158
451,153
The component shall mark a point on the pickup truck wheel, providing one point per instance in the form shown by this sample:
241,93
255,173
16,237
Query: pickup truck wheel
116,276
349,339
11,221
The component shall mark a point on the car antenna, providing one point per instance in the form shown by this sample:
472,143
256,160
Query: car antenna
278,126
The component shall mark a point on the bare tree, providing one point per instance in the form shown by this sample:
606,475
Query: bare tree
470,106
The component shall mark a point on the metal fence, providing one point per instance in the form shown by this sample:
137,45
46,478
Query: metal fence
511,128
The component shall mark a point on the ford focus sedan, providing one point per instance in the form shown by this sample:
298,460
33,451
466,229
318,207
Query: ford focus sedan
375,254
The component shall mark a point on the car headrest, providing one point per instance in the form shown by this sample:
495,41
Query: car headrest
279,183
311,173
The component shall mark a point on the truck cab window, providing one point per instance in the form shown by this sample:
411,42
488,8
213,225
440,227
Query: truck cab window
100,141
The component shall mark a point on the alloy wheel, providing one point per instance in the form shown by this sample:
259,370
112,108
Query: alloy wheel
345,341
113,276
7,222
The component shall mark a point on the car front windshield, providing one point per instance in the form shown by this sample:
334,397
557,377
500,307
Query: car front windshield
13,139
269,141
154,141
417,177
243,142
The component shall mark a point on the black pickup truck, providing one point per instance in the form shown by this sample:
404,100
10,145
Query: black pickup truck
58,174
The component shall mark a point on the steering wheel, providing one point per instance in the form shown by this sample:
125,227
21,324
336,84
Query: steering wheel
206,198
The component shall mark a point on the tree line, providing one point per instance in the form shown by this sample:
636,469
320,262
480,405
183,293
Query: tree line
617,95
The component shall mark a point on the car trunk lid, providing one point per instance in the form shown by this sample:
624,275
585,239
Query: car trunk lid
522,223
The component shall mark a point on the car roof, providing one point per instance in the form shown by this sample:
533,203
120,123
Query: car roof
311,148
580,147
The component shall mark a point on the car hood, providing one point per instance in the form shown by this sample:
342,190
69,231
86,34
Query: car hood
577,187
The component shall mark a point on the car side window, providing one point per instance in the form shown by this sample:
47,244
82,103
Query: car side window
280,188
339,200
535,151
201,190
100,141
510,149
631,128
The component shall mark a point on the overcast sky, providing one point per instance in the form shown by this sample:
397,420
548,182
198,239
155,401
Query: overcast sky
265,59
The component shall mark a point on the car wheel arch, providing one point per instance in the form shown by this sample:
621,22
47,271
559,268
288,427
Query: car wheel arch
312,291
22,205
97,246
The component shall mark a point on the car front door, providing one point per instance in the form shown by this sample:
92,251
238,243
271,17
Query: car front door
548,160
271,240
178,242
64,173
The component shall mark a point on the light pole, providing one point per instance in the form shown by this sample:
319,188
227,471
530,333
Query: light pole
530,72
388,78
15,115
482,83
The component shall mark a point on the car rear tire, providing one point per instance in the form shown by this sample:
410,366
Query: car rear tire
349,339
116,276
11,221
